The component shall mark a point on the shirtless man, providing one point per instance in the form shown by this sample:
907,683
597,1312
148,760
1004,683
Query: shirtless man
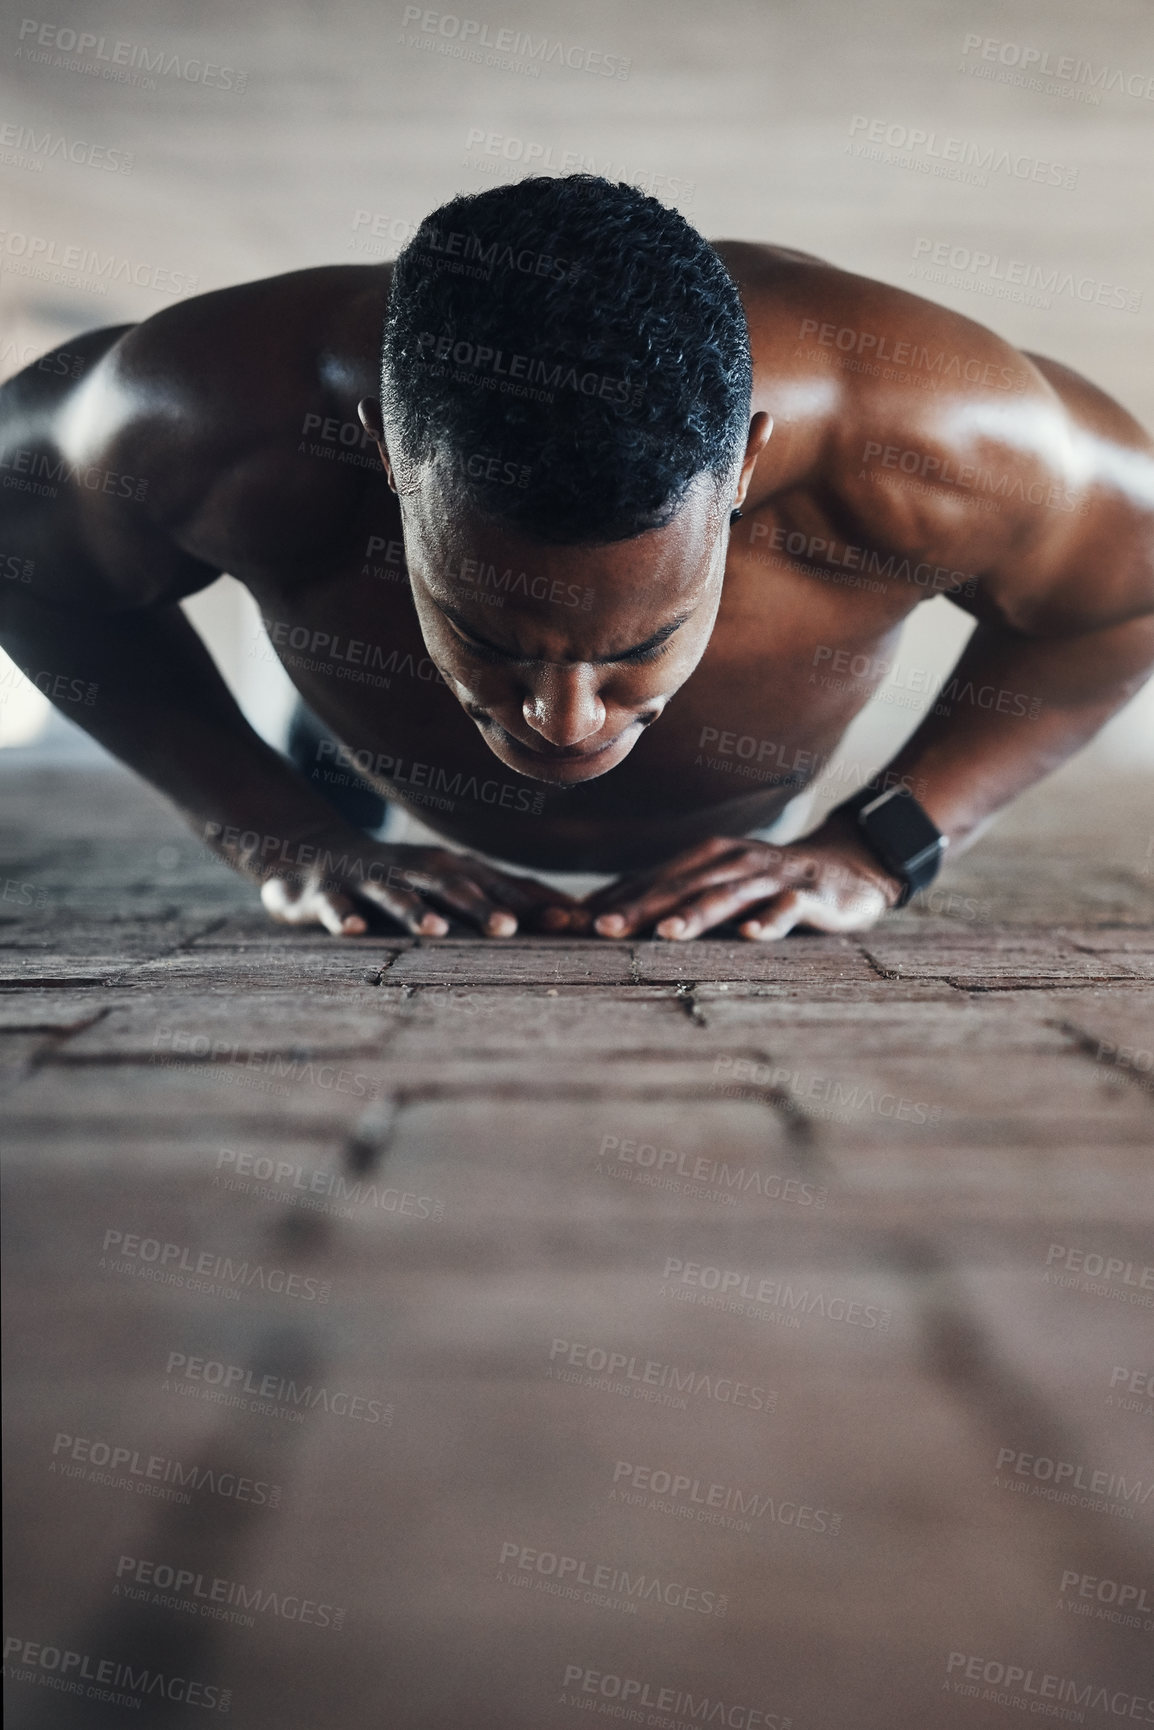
507,576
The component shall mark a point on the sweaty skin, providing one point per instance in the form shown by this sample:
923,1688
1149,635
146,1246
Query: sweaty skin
637,708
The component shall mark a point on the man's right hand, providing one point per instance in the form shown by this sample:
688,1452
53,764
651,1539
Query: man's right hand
337,879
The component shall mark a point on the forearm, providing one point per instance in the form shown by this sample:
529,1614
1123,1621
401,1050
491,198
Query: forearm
1013,709
155,699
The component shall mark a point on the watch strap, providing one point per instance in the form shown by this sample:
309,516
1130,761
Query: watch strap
914,866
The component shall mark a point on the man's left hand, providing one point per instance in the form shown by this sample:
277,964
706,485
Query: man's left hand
828,882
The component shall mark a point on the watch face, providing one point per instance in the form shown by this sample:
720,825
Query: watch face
905,826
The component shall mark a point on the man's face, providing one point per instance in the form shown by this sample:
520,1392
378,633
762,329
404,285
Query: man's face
562,656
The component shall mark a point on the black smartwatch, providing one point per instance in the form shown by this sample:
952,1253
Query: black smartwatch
899,835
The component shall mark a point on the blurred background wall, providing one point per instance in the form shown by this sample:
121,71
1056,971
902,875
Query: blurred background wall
207,145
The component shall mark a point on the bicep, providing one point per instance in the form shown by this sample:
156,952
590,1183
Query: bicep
1088,562
1092,573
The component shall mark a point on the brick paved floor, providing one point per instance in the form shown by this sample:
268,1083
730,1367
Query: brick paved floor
626,1326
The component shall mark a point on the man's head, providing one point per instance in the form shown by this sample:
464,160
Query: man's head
564,415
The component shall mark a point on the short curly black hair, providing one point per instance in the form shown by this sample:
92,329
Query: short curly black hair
572,351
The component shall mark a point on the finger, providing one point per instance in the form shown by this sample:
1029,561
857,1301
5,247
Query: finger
703,912
726,858
548,909
338,914
801,907
289,906
779,916
623,889
525,895
629,887
278,899
408,910
538,906
442,880
563,919
532,893
466,897
669,894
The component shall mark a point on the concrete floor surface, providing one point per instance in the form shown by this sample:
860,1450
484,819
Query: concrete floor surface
623,1327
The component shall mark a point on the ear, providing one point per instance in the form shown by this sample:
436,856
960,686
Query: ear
760,428
369,414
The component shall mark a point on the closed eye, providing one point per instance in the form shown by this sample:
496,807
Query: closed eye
653,650
482,651
647,652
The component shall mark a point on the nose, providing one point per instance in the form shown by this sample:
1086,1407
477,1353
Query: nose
565,706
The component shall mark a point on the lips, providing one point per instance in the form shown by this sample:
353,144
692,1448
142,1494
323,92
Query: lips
557,754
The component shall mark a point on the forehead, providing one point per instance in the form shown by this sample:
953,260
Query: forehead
458,553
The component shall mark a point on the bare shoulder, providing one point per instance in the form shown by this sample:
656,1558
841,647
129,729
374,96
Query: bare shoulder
186,426
873,344
214,395
930,430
